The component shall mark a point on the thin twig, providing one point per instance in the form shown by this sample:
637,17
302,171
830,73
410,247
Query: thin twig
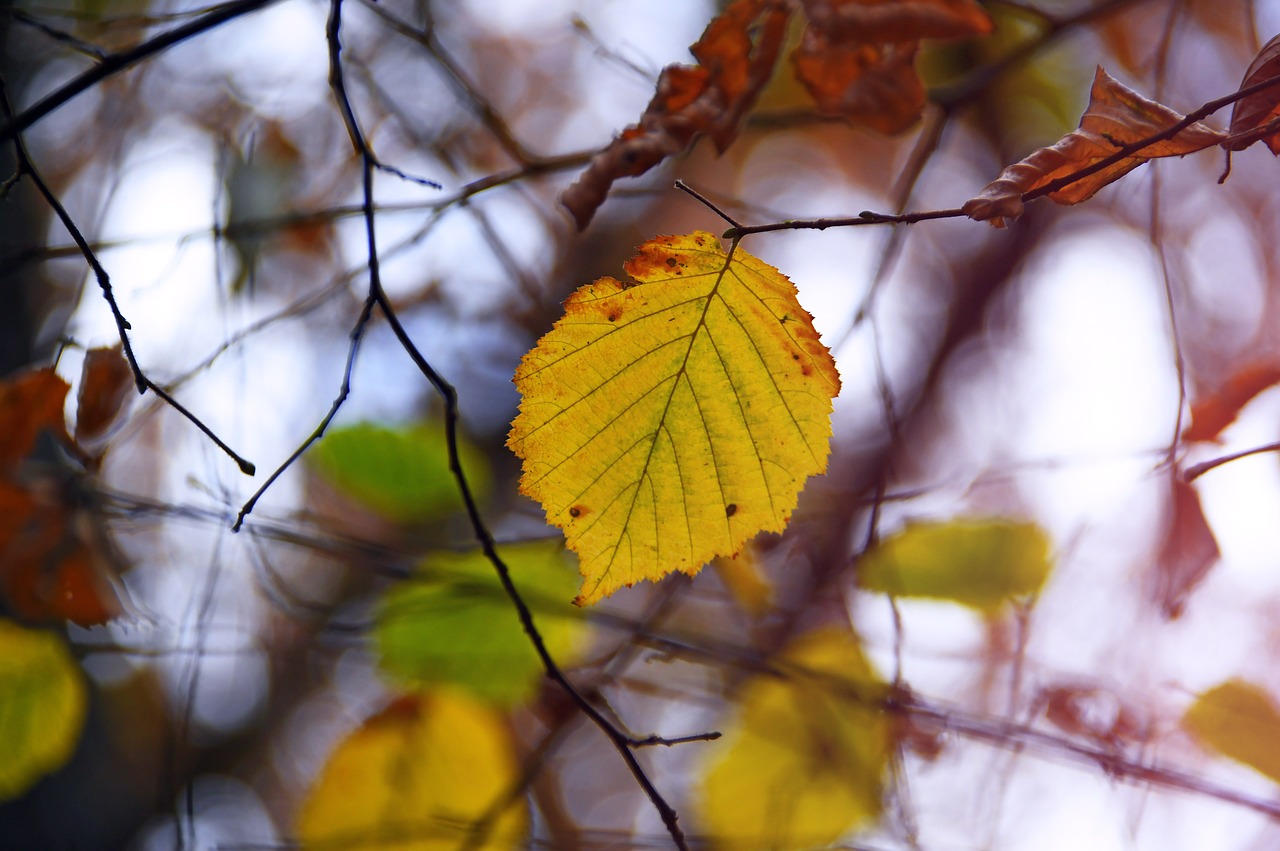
734,224
56,34
357,333
649,741
1195,471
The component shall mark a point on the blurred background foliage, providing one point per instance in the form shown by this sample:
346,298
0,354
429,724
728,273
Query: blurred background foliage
344,671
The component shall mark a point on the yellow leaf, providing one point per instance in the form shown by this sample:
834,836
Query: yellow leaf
42,706
1238,720
419,776
804,765
667,421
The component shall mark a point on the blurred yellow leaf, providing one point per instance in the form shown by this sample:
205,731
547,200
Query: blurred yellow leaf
1240,721
742,579
667,421
977,563
804,764
419,776
42,706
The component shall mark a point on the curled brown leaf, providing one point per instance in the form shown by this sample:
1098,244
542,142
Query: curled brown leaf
1117,117
1256,110
736,57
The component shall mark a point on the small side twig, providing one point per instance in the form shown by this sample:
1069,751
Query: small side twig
1195,471
651,741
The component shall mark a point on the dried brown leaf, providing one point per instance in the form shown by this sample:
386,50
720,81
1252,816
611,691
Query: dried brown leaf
1116,117
736,55
857,57
1257,109
874,85
51,568
105,382
1187,552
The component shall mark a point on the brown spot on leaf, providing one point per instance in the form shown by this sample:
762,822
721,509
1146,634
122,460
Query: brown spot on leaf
577,511
731,509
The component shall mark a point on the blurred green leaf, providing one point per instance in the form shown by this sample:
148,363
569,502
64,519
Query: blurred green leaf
42,706
401,473
1238,720
454,623
977,563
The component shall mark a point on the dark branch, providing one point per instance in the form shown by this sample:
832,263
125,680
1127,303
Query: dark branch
117,62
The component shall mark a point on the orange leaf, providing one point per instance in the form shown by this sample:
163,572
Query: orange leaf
1187,553
857,57
1117,117
1209,416
47,571
48,566
878,21
736,56
1257,109
870,84
30,403
104,385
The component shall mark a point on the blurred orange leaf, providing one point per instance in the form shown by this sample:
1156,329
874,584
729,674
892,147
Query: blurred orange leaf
1187,552
667,421
105,383
49,566
857,57
871,84
1116,117
30,403
897,20
1209,416
736,56
1257,109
